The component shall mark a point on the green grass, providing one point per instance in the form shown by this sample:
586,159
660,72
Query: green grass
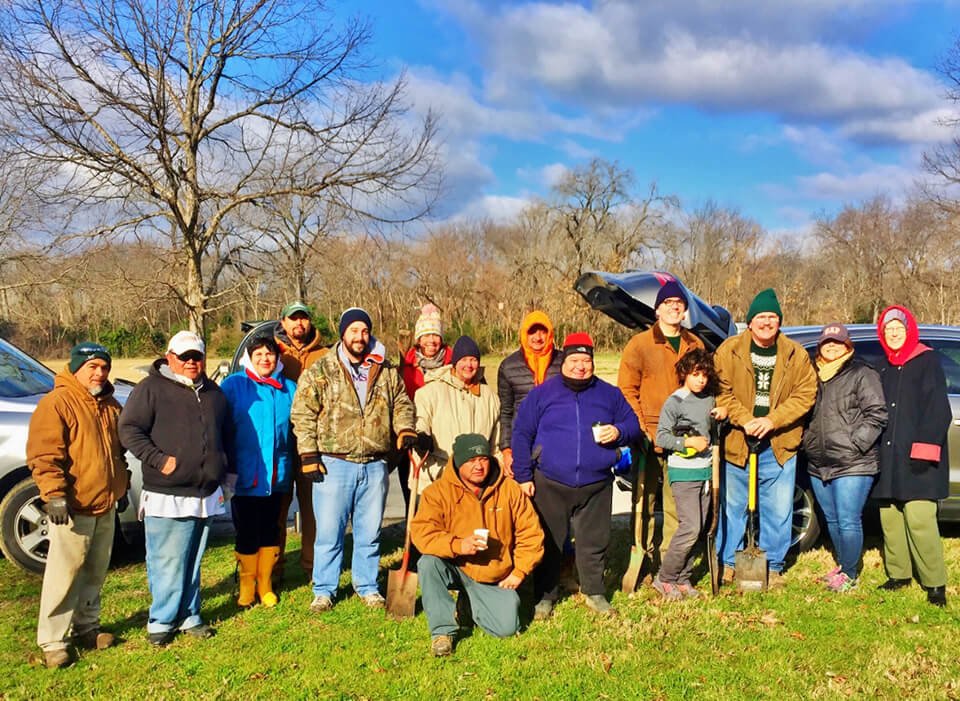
801,642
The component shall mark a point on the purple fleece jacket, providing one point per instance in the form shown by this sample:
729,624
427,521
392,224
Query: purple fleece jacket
560,421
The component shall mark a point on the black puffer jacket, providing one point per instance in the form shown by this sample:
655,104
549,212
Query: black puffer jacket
846,422
514,382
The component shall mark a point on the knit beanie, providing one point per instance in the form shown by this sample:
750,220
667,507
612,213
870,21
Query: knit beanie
470,445
671,288
579,342
83,352
428,322
465,346
354,314
764,302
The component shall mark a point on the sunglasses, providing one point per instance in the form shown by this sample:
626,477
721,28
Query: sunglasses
195,356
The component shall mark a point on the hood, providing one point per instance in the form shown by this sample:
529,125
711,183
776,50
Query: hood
532,319
911,347
629,299
281,337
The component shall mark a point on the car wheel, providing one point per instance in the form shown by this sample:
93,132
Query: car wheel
24,535
806,523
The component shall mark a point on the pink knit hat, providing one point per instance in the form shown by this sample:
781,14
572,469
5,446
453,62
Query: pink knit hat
428,322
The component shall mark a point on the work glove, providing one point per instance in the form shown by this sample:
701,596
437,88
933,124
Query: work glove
122,503
312,466
424,442
58,511
408,441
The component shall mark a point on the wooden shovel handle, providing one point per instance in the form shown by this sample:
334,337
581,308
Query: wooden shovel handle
411,508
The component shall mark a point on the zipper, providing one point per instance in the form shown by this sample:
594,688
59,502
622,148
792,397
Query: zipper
576,403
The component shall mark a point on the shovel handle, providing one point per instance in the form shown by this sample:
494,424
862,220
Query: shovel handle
752,483
412,508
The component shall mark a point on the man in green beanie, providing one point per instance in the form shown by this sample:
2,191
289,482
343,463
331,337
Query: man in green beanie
478,532
767,384
74,453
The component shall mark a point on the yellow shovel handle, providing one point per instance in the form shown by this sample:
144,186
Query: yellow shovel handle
752,496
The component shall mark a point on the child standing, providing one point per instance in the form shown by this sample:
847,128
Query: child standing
684,430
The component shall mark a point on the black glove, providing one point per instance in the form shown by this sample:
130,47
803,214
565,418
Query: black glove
424,442
58,511
122,503
312,466
408,441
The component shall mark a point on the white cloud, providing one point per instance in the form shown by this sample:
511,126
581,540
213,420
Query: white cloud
499,209
891,179
729,57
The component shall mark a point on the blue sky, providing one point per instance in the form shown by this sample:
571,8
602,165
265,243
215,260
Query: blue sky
782,109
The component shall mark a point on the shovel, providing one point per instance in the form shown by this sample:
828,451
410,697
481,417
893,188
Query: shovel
402,583
630,578
716,435
750,564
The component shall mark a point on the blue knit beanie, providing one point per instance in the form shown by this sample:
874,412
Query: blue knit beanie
671,288
354,314
463,347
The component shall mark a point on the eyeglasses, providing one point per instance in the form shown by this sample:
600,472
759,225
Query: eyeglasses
195,356
673,302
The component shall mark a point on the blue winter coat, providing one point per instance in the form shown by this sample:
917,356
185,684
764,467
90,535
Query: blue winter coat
560,421
263,437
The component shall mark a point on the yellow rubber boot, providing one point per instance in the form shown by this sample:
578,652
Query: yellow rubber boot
248,578
268,556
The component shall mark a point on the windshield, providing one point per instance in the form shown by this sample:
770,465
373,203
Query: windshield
21,375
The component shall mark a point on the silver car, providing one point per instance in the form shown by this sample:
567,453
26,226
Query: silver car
23,522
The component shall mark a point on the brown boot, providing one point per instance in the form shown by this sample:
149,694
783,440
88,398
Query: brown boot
57,659
247,574
268,556
95,639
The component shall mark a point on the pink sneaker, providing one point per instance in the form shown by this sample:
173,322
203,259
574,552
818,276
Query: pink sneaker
829,575
667,590
841,583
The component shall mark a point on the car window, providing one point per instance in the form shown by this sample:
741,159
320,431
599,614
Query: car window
950,360
21,375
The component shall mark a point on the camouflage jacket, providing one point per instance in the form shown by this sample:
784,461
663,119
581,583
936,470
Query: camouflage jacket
327,417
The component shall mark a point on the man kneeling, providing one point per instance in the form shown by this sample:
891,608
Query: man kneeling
478,533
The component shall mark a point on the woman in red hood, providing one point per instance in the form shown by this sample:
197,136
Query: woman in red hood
914,469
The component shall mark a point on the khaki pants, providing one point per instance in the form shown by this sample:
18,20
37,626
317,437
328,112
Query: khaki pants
655,472
911,539
77,564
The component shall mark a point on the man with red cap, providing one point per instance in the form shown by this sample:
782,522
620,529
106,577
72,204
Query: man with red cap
647,377
566,438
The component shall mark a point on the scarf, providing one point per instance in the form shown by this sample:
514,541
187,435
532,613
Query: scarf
827,369
538,363
578,385
912,347
433,363
247,364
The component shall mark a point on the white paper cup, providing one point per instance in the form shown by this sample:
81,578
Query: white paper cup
482,533
596,432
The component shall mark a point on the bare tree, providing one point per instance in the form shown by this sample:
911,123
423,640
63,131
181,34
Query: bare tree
168,119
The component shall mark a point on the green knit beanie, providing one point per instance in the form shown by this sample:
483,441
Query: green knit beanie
468,446
765,301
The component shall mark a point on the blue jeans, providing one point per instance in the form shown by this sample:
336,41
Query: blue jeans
355,491
174,549
775,488
842,501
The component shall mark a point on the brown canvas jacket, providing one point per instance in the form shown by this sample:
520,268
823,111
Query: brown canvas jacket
648,375
73,448
295,360
792,394
449,512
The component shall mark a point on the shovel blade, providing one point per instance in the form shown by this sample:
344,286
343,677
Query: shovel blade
628,584
751,569
401,594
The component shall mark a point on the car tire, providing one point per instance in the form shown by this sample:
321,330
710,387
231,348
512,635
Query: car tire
806,519
23,527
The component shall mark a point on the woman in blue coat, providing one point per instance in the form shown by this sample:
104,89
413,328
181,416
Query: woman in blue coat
261,450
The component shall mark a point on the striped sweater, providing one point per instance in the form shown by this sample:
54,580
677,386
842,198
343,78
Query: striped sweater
684,408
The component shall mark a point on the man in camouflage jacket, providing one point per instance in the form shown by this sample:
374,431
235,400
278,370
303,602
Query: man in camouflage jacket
347,407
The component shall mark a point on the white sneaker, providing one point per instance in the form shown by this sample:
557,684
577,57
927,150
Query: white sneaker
320,604
374,601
